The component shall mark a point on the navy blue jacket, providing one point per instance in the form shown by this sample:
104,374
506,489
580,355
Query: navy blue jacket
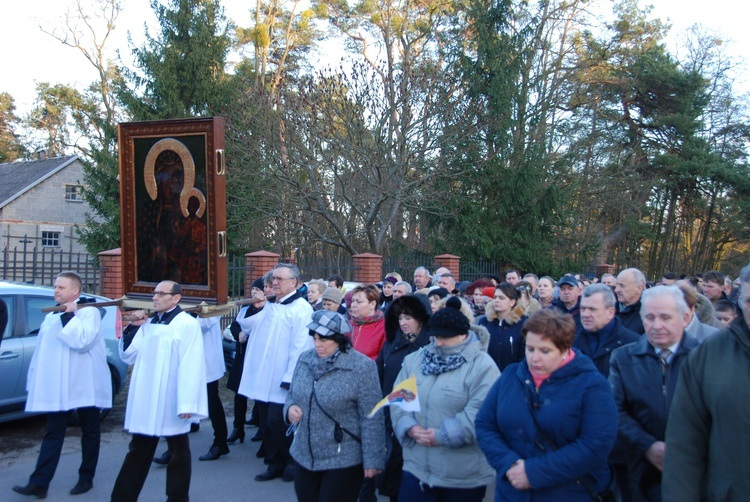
575,311
643,399
610,337
506,341
576,410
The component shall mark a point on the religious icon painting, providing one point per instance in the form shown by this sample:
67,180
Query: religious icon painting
173,207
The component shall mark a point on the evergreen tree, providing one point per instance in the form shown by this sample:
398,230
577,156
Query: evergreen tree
10,145
181,71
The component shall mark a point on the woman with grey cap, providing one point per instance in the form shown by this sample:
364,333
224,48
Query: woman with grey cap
333,390
442,460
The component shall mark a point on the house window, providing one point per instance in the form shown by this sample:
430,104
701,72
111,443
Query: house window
51,239
74,193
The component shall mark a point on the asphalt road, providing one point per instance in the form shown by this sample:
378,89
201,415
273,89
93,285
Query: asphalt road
229,478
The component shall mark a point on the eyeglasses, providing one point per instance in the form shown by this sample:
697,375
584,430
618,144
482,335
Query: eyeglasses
279,279
161,294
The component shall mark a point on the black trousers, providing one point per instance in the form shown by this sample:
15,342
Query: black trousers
137,463
333,485
216,414
240,411
273,429
54,436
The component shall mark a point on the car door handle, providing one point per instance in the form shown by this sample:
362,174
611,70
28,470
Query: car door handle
9,355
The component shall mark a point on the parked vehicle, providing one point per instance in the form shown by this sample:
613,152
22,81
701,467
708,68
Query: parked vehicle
25,303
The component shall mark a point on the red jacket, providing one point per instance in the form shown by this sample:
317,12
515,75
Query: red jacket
368,337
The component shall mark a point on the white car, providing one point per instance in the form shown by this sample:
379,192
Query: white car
25,316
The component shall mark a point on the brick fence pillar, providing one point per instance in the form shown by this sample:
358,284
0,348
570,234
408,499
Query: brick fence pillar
451,262
256,265
368,268
110,275
604,268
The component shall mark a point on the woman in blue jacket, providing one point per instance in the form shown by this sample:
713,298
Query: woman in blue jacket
549,422
504,319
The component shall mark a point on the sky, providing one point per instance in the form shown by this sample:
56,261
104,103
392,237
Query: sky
31,56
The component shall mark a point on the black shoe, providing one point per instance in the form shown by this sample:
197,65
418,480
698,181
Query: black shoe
215,452
235,435
195,427
81,487
38,491
261,453
252,422
257,437
269,474
163,459
288,475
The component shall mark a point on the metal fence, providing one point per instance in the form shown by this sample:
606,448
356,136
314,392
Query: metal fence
42,266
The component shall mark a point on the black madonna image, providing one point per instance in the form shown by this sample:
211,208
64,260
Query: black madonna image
173,198
172,229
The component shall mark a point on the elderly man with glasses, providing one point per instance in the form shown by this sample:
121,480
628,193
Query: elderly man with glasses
276,336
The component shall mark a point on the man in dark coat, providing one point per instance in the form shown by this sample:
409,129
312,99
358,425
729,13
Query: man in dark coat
629,287
601,332
598,336
643,376
708,445
569,301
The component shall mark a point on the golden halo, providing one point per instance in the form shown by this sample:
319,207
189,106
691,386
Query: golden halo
188,165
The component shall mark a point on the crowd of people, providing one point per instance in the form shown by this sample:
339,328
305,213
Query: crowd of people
608,388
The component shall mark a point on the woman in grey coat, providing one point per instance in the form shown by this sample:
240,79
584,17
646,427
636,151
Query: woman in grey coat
333,390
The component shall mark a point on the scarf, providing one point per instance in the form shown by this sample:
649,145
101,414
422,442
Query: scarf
378,315
410,337
322,365
443,359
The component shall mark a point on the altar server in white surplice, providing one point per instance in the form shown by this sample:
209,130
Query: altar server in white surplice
276,336
68,372
167,393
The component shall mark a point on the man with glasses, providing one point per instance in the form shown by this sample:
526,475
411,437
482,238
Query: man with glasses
277,335
167,392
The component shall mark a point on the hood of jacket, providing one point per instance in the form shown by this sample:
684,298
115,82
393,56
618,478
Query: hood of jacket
704,309
477,341
580,364
483,335
515,315
415,303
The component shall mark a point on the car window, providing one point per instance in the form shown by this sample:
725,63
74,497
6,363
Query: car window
10,303
34,315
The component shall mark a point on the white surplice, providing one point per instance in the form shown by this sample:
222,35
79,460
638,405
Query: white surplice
169,377
213,348
277,335
69,367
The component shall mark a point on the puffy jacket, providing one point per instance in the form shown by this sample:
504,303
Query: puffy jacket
575,409
643,400
506,341
368,336
448,403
